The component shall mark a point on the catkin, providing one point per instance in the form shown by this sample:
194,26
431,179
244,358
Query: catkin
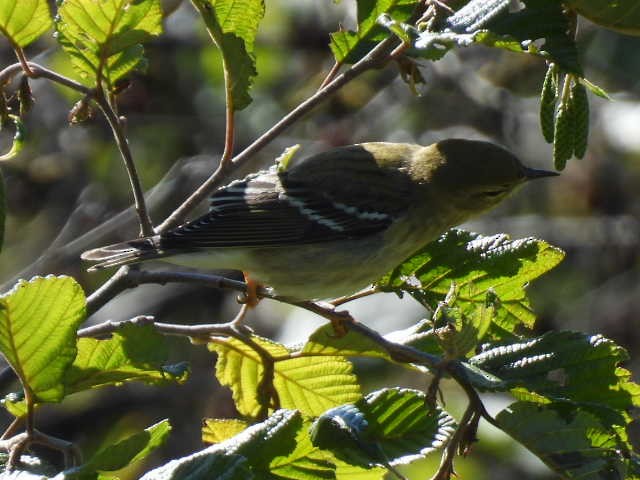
563,145
580,106
548,99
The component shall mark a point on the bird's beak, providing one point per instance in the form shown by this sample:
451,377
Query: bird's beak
533,173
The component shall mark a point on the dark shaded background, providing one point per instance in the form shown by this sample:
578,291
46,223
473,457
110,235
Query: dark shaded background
69,180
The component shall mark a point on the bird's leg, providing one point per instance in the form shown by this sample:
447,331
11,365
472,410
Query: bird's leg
250,298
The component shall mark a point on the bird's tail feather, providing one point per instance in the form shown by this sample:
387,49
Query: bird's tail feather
123,253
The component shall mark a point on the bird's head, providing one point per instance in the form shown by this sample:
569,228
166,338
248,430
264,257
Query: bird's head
473,175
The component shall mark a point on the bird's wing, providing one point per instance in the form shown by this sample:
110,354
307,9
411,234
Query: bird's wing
276,209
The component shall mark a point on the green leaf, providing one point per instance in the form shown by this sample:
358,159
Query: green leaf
621,15
345,471
458,333
324,341
540,19
286,157
476,264
123,453
313,384
103,37
240,368
349,47
239,457
134,353
309,384
387,427
15,404
23,21
203,465
232,25
18,139
305,462
573,443
476,14
490,23
565,366
404,425
342,430
595,89
216,430
38,323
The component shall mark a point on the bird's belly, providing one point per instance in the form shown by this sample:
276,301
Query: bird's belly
319,270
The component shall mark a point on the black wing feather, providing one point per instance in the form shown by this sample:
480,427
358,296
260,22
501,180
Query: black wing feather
268,210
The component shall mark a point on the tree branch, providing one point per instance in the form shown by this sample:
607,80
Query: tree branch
146,227
38,71
126,278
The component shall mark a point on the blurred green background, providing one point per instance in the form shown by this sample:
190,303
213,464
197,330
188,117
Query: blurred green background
69,181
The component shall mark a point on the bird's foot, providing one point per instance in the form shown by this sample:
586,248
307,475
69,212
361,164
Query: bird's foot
250,297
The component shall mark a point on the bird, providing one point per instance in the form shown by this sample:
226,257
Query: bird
333,223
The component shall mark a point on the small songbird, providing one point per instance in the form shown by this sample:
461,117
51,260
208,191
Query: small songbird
333,223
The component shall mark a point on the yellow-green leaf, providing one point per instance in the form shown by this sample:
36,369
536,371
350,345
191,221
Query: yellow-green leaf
103,37
23,21
309,384
18,139
349,47
123,453
232,25
134,353
38,324
216,430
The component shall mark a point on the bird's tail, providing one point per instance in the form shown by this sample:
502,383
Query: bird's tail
123,253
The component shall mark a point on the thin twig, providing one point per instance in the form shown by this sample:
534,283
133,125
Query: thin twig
206,330
330,76
118,283
38,71
12,428
445,470
19,443
126,278
349,298
146,227
456,371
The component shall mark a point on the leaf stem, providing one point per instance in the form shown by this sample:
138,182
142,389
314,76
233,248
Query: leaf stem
146,227
331,75
229,133
349,298
22,58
